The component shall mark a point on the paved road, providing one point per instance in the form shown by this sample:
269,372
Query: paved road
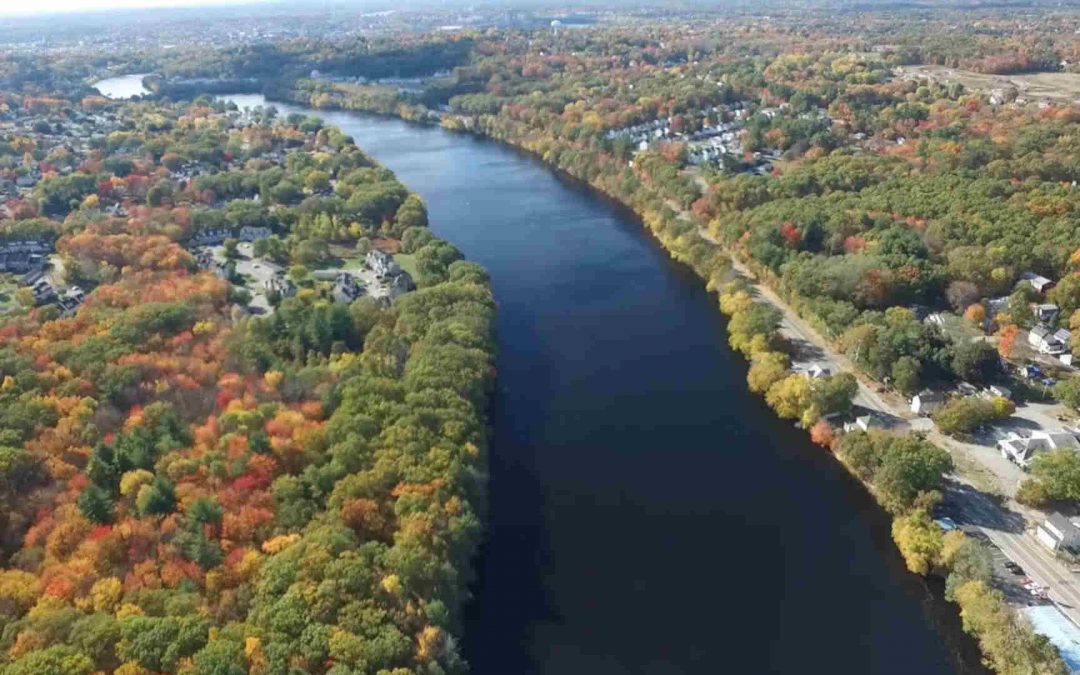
1008,531
1003,523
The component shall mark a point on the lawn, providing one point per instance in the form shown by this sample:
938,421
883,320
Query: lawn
407,262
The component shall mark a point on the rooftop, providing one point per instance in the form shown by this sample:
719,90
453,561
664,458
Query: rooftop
1049,621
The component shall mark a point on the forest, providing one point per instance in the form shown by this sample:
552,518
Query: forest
188,487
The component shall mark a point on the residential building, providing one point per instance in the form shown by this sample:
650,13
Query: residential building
926,402
863,423
1046,312
253,233
383,264
1038,282
1021,449
1057,532
281,285
1046,341
346,288
816,370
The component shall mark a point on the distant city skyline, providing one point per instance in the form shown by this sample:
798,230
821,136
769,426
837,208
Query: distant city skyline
68,6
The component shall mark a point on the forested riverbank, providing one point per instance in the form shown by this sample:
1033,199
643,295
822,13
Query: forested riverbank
903,474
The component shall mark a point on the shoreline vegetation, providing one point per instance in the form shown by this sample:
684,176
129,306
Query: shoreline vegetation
903,473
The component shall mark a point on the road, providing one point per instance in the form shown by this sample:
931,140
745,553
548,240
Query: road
1006,524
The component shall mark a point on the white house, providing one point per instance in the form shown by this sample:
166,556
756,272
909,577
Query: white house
1021,449
863,423
926,402
383,264
1058,532
817,370
1047,342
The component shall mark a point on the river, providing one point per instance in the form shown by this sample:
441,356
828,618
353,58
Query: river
647,514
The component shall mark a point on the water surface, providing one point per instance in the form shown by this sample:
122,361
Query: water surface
647,514
123,86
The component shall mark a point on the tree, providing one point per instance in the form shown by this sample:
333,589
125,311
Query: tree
317,181
975,361
1058,474
822,433
1067,392
905,374
961,416
966,560
60,659
758,319
975,314
834,394
962,294
910,467
298,273
96,504
231,246
157,498
919,540
766,369
1007,340
790,397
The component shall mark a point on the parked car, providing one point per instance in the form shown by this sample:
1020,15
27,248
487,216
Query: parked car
1014,568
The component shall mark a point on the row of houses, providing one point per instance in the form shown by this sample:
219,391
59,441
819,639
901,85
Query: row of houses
216,236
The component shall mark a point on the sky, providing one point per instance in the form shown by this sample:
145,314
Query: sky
38,7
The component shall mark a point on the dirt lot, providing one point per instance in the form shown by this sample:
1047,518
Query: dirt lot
1051,86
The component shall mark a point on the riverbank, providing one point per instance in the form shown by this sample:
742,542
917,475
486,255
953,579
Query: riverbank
685,244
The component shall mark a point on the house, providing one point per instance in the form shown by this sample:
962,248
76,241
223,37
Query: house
382,264
403,283
1040,337
253,233
1021,449
995,306
280,285
863,423
967,389
1057,532
926,402
210,237
1038,282
346,288
43,291
1064,336
70,302
817,370
1046,312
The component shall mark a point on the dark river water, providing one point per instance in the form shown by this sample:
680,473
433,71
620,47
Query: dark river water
647,514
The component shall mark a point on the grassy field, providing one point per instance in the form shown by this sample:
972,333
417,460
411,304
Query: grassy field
1054,86
407,262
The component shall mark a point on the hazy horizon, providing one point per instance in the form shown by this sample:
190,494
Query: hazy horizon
75,6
